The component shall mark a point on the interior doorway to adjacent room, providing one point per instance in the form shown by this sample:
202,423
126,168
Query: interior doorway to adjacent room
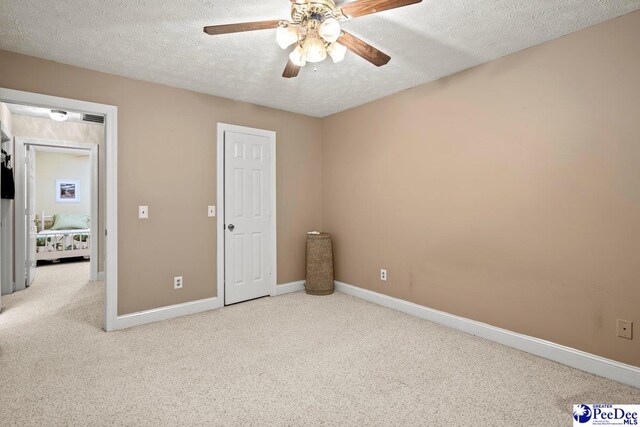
63,210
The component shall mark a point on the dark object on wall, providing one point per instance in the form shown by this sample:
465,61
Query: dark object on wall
319,264
8,190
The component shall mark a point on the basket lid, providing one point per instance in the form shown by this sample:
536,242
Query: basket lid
318,235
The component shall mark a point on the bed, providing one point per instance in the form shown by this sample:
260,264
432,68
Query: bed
53,245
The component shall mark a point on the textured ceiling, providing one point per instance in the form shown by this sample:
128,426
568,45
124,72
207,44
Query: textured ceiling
162,41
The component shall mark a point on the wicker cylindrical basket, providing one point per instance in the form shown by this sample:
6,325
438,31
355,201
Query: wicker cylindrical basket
319,264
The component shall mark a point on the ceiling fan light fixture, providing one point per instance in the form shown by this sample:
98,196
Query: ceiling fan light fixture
313,31
329,30
336,51
286,36
298,57
58,115
314,50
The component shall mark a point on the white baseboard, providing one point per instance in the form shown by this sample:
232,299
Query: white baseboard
192,307
584,361
100,276
287,288
164,313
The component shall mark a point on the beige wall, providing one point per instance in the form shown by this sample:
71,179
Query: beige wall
508,194
167,143
50,167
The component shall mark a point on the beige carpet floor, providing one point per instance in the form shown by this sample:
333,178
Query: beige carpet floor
290,360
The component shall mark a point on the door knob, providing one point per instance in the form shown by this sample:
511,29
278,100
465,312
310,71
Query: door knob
231,227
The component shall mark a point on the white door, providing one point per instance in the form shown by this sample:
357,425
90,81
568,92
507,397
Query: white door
247,238
30,214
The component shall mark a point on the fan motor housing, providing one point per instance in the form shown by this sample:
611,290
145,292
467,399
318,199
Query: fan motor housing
315,9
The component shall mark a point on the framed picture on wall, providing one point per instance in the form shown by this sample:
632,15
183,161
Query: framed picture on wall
67,191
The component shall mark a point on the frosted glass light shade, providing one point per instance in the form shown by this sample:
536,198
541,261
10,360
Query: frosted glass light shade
329,30
298,57
337,51
58,115
286,36
314,50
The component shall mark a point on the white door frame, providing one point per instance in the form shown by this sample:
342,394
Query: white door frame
111,212
222,128
20,228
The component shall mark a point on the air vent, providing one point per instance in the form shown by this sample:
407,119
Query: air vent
93,118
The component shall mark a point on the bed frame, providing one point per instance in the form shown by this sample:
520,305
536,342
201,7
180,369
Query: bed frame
59,248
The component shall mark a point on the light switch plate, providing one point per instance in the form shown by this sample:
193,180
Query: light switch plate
211,211
143,212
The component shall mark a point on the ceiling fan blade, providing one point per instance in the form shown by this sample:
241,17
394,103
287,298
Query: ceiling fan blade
366,7
291,70
214,30
364,49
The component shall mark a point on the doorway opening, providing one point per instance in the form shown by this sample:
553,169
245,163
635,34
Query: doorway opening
57,193
246,187
59,230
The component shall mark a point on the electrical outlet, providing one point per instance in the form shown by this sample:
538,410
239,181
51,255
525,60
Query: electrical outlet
143,212
625,329
177,282
383,275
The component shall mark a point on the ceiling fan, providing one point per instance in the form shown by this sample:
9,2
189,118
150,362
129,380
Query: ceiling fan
315,31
